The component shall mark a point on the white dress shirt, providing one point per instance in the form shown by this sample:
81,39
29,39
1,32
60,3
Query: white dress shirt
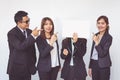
54,55
71,61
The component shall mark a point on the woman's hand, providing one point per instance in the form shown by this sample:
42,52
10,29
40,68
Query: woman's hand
65,52
90,72
53,39
96,39
75,37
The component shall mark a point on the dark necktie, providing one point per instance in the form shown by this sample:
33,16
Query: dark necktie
24,33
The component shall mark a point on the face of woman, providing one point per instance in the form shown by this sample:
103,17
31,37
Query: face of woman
48,26
102,26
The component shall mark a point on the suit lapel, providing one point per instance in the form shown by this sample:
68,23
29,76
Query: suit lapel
69,45
93,44
19,34
75,49
57,46
103,38
92,47
28,32
101,42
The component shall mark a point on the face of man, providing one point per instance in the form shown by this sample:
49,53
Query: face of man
24,23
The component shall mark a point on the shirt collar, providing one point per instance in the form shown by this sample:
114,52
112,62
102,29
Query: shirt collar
21,29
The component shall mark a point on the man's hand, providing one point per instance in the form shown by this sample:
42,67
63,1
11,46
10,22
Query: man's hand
36,32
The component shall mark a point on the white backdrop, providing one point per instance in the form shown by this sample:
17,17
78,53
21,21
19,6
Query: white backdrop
59,10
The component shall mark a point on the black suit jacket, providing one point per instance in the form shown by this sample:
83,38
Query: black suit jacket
103,51
22,57
44,62
79,52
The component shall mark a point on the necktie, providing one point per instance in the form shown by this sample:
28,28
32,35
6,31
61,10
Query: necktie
24,33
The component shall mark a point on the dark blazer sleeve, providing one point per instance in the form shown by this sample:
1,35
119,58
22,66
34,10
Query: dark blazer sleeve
104,50
64,46
43,47
14,40
80,46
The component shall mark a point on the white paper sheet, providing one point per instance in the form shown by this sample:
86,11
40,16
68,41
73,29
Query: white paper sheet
82,28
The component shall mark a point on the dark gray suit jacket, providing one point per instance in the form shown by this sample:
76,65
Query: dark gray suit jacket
79,52
103,51
44,62
22,57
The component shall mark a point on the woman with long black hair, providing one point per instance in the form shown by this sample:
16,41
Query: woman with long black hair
49,61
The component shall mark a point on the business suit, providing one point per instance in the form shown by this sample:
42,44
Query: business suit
22,57
44,62
79,70
104,62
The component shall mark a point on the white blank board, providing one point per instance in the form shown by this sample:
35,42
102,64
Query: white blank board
82,28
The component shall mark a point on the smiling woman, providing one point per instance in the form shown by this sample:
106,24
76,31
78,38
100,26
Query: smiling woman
103,23
47,43
100,61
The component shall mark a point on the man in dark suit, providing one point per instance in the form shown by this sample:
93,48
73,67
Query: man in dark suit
73,50
22,57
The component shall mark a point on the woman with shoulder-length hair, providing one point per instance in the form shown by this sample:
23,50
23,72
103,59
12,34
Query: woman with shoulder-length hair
49,61
100,62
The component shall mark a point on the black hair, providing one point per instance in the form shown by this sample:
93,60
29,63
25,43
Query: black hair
42,26
19,15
